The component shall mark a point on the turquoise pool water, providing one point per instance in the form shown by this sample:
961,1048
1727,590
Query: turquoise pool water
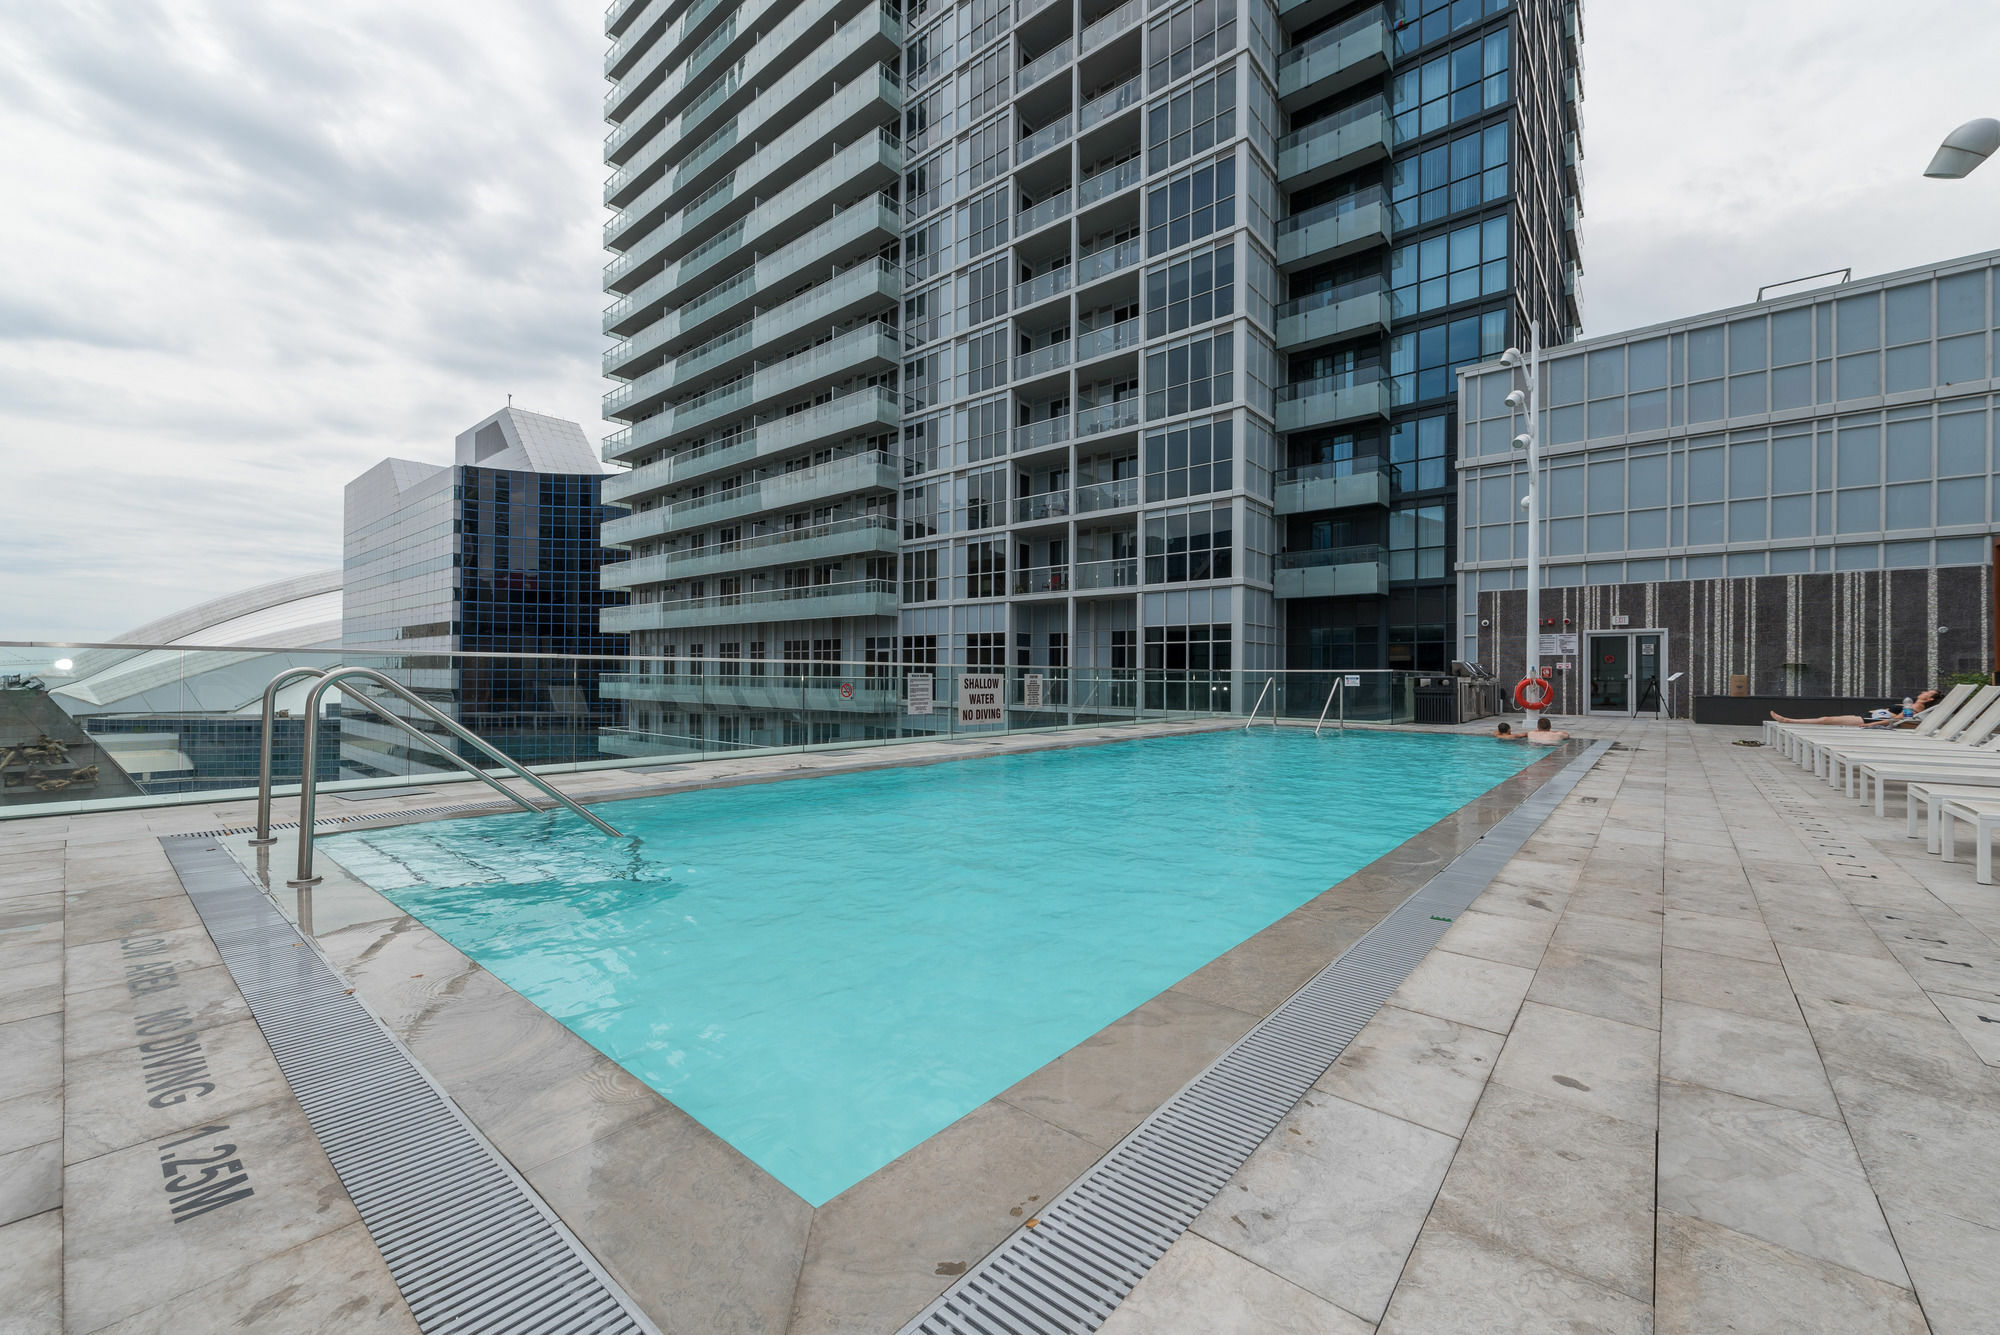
827,971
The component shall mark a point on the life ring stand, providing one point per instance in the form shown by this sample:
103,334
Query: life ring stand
1540,687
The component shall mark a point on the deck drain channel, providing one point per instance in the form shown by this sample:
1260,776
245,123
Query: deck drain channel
473,1249
1096,1240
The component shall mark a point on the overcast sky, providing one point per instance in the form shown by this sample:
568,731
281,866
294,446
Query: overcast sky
252,247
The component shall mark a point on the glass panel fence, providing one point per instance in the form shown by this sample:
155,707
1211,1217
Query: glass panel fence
86,727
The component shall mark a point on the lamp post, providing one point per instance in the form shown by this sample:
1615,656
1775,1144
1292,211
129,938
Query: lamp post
1965,148
1525,400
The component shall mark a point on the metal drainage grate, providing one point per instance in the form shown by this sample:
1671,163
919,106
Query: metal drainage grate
471,1246
366,818
1063,1274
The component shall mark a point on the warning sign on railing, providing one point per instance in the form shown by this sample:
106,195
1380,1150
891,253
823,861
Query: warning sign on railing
1031,690
979,701
923,692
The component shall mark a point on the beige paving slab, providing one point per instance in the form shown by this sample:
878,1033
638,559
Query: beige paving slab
142,955
1977,1022
1713,1278
111,1017
1499,937
1570,1188
160,1085
31,984
1718,934
1849,980
1465,990
31,1056
1332,1201
1774,1173
1198,1288
1416,1067
31,1279
1601,1066
1729,983
1459,1284
1593,983
1953,1262
1773,1061
85,923
30,1181
31,1119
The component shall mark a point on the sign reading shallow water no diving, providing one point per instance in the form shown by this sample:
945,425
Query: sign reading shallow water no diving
979,701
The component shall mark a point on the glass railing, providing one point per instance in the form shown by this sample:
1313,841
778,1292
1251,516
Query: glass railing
1367,18
1107,495
1339,120
1042,286
1332,296
1047,63
1107,417
773,544
1329,384
100,727
1041,579
1047,505
1331,556
710,149
1109,181
1332,468
638,613
1104,29
1117,573
1050,209
1041,360
1044,139
1109,260
1097,342
1109,104
1038,435
1327,212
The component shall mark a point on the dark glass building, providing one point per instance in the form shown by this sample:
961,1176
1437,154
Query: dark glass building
496,554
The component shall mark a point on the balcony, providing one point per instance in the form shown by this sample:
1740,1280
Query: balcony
1330,62
1036,509
1109,182
871,470
1335,313
863,411
1109,260
727,684
852,598
868,535
1343,141
1120,416
1348,226
1044,139
1042,360
1041,579
1334,572
1099,342
1041,435
1111,495
1110,25
1042,287
1119,573
1106,105
1309,404
1042,214
1339,485
1042,66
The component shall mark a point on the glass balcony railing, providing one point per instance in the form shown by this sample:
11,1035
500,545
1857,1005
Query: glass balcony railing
1098,342
1364,466
1339,120
1329,384
1042,66
1339,32
1109,260
1041,579
1333,296
1117,573
1047,505
1042,286
1042,360
1109,104
1050,209
1108,417
1111,495
1109,181
1040,435
1327,212
1331,556
1044,139
1109,26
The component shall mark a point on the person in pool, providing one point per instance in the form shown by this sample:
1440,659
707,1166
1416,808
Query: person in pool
1878,718
1545,733
1505,733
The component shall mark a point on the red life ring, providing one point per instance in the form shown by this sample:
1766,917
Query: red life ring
1543,690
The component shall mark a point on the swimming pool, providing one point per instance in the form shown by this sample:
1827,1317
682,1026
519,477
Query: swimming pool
827,971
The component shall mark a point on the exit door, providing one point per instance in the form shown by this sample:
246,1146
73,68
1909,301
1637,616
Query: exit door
1625,672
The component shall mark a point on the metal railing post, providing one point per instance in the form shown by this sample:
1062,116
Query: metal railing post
1260,704
1338,682
308,779
263,835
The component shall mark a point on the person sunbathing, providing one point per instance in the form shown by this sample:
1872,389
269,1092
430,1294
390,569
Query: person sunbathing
1877,718
1545,733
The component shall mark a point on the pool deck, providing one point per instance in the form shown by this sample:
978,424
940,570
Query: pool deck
1742,1080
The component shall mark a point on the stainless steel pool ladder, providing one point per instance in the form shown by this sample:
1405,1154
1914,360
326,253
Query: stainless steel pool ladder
308,772
1339,681
1268,682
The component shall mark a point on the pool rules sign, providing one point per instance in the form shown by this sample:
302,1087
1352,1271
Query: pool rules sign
979,701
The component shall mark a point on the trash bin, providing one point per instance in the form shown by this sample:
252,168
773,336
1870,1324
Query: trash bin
1436,700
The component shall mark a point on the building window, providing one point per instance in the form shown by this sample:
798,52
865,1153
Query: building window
986,85
920,651
1423,364
1189,375
982,362
985,493
986,649
1192,290
1191,206
985,222
1188,39
984,429
1451,87
983,154
1191,543
1192,121
1417,452
986,568
1461,265
1421,22
1417,542
1469,171
985,292
1189,460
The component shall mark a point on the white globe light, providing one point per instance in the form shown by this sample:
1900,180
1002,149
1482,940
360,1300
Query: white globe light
1524,502
63,665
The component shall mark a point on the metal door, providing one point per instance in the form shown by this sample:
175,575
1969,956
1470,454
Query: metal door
1611,674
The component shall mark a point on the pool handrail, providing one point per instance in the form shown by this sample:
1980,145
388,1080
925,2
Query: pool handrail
263,836
308,772
1339,681
1268,682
